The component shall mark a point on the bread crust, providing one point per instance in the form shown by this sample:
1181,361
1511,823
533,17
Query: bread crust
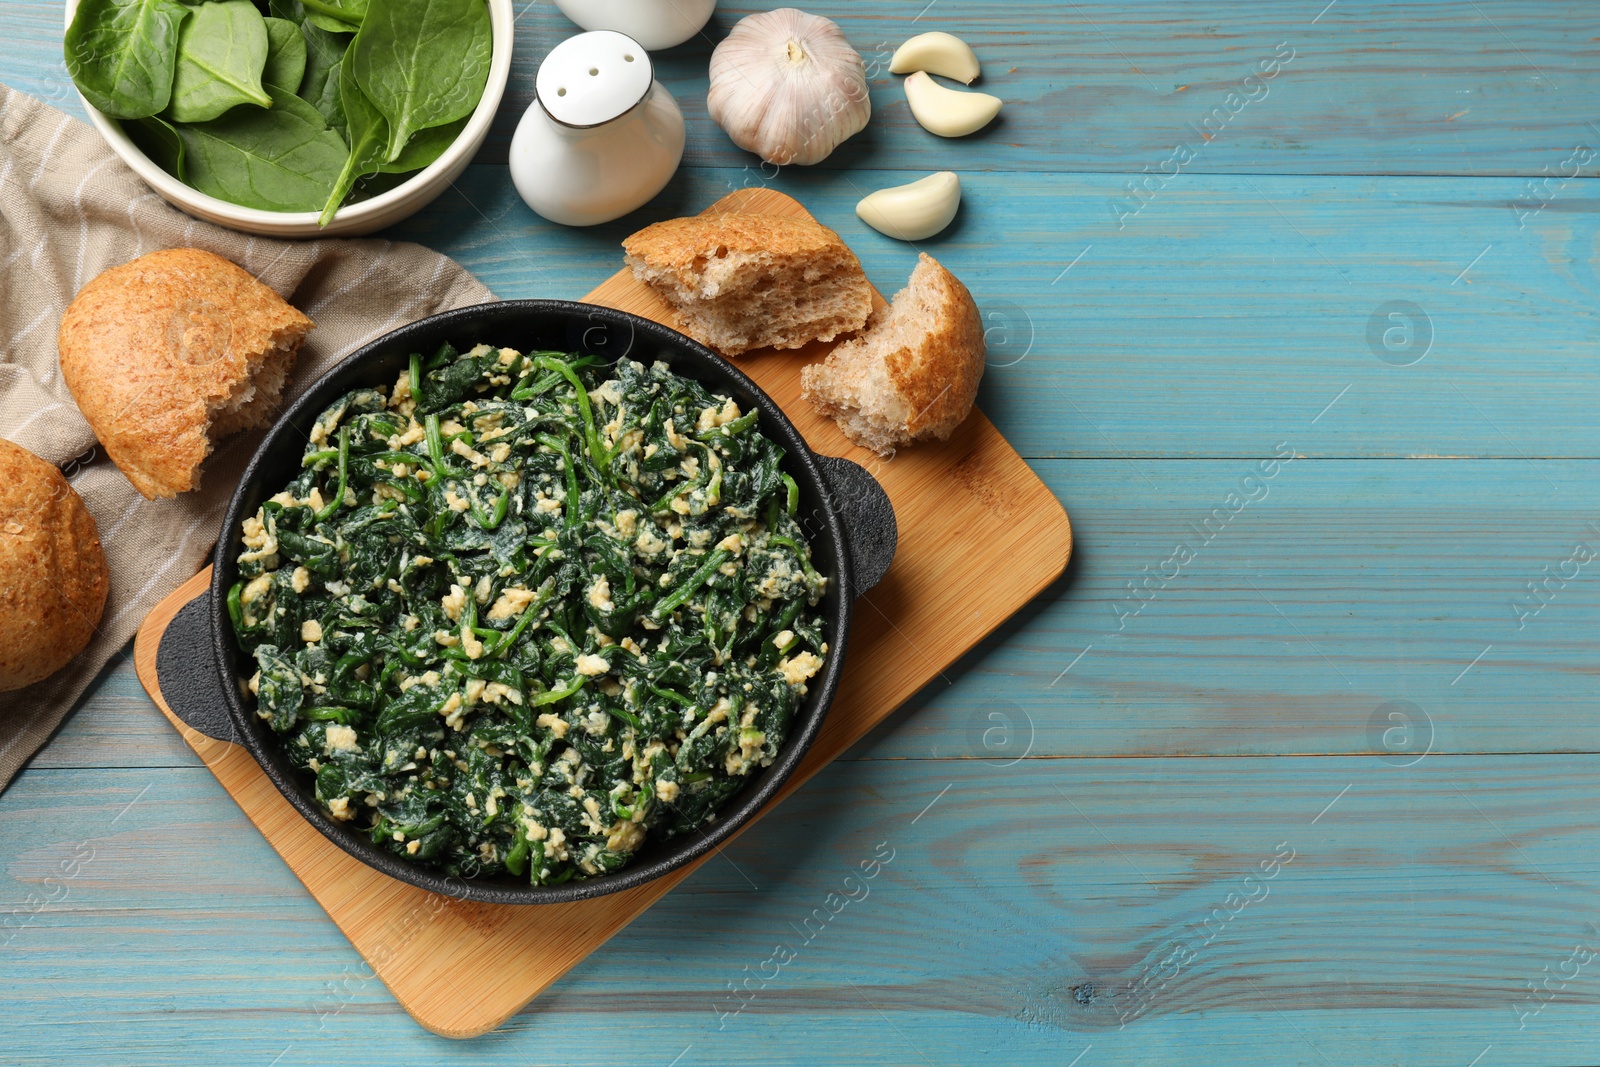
913,374
938,378
53,575
154,348
682,245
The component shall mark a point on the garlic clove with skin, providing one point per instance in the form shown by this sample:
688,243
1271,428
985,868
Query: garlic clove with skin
949,112
915,211
937,53
787,86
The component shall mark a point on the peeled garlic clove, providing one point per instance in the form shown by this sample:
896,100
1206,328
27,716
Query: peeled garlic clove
949,112
912,212
787,86
937,53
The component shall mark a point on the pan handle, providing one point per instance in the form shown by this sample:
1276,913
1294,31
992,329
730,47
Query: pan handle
868,517
187,672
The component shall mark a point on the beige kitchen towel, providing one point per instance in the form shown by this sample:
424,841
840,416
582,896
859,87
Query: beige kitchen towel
69,208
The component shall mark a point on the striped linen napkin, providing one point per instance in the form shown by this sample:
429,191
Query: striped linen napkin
69,209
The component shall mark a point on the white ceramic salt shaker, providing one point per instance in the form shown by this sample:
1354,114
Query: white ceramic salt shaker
602,136
656,24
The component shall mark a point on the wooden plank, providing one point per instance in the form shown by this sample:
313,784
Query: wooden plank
1405,928
1231,314
116,725
977,530
1347,585
1428,87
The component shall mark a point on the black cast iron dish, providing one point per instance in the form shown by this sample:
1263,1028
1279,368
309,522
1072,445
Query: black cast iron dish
846,514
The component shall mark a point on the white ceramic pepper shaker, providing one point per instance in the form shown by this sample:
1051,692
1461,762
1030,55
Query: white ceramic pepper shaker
656,24
602,136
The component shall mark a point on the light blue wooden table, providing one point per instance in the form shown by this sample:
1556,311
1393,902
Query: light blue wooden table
1322,790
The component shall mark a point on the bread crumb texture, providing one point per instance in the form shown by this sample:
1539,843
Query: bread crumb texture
53,576
171,352
740,281
913,375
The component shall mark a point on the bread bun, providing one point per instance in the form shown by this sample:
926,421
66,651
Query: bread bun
740,281
53,576
914,373
171,352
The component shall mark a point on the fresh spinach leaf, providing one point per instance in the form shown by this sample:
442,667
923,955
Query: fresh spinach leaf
286,55
422,63
425,146
155,137
349,12
315,132
284,159
367,133
325,53
222,49
369,138
378,184
121,54
324,96
330,24
327,99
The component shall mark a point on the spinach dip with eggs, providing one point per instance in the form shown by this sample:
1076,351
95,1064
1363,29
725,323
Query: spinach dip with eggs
522,613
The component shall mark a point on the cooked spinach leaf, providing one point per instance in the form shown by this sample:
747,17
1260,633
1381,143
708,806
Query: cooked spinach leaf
422,63
526,612
285,159
222,49
121,54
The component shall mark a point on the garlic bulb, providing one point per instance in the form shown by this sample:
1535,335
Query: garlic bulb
787,86
949,112
913,212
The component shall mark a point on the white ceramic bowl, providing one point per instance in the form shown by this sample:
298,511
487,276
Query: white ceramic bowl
351,220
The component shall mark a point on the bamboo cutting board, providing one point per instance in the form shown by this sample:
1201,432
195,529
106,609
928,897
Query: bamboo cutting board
980,535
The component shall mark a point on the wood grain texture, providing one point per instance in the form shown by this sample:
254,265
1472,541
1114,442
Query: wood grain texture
1010,924
1181,348
1346,585
979,536
1425,87
125,730
1232,313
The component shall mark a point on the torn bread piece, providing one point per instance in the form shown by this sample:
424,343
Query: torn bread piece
171,352
740,281
913,375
